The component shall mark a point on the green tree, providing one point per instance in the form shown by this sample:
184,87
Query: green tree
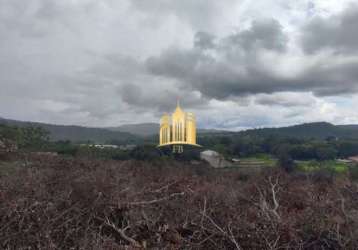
33,138
144,152
285,160
325,152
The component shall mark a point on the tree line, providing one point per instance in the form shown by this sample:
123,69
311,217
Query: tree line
284,148
295,148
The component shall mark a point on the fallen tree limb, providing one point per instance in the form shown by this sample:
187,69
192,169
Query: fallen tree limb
141,203
122,234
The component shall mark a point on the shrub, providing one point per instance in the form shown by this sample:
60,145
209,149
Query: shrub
145,152
353,172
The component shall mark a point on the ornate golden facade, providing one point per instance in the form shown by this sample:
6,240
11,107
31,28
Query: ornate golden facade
177,129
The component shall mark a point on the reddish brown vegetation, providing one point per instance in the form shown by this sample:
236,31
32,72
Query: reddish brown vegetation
62,203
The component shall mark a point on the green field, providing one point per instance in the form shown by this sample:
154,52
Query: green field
333,165
262,160
266,160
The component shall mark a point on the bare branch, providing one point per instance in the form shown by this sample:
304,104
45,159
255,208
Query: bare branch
121,232
141,203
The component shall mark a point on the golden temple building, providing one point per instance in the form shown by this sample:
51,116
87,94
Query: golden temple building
177,130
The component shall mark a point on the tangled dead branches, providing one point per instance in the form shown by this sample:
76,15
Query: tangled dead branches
72,203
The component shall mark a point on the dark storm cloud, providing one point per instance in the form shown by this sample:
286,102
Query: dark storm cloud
161,99
237,72
233,67
337,33
223,80
266,34
176,63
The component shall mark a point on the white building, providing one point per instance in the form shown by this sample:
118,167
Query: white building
215,159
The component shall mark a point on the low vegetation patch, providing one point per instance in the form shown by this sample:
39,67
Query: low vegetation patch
265,160
332,165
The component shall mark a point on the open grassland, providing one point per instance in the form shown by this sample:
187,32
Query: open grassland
58,203
265,160
332,165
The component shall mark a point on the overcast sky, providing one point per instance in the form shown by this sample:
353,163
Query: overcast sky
234,63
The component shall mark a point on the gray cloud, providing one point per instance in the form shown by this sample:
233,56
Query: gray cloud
337,33
237,74
200,14
265,33
204,40
105,62
160,100
234,67
285,99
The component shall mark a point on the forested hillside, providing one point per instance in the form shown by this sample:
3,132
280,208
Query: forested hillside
78,133
319,130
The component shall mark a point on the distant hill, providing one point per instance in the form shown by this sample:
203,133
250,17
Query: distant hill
319,130
349,127
128,133
141,129
135,133
148,129
78,133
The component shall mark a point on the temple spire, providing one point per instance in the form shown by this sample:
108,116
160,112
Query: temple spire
177,130
178,108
